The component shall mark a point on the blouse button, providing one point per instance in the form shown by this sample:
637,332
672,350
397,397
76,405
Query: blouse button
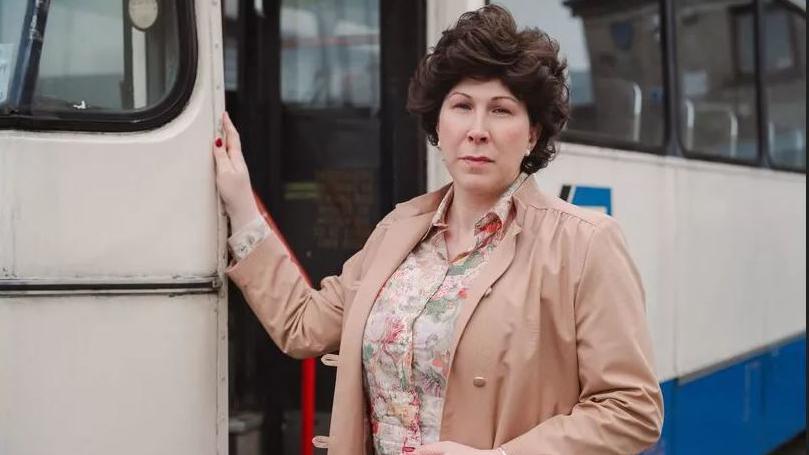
479,381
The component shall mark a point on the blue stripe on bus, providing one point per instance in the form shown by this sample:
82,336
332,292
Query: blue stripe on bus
750,407
592,196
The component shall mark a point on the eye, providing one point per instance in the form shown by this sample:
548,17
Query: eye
501,111
462,105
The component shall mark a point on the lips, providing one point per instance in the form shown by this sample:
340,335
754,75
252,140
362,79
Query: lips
477,159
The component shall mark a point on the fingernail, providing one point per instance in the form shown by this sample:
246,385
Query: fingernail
218,142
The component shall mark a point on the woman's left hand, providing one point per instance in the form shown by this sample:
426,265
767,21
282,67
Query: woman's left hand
451,448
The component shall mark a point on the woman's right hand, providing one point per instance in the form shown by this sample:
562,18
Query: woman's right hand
232,177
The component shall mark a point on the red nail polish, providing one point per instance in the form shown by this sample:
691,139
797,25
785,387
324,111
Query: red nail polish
218,142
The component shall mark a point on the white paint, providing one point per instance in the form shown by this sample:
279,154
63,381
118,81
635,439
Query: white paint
96,376
110,205
212,40
437,175
99,374
113,205
742,254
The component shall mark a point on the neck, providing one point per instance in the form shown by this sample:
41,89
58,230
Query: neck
467,208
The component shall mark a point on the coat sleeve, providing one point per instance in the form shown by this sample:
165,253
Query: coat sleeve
302,321
620,408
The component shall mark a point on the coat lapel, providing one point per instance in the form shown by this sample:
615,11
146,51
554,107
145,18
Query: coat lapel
400,238
497,264
347,427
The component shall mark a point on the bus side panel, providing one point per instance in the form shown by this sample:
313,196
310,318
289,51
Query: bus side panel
134,206
118,206
741,250
97,375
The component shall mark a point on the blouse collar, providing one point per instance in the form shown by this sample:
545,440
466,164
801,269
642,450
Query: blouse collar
491,221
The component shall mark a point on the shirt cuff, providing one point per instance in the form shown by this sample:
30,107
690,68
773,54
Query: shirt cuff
245,239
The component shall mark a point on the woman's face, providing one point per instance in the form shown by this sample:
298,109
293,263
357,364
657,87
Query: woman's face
483,134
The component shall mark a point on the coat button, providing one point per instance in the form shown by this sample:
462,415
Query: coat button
479,381
321,442
330,360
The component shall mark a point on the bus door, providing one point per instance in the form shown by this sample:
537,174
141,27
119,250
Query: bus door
112,304
317,90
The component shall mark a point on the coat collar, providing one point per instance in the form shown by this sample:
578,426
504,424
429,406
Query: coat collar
499,210
527,195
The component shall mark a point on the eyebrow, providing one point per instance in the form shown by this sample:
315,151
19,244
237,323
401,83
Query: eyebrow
494,98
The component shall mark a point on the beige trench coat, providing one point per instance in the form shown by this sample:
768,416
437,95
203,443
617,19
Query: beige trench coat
552,353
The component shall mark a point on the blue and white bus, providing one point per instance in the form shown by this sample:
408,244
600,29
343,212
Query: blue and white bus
118,332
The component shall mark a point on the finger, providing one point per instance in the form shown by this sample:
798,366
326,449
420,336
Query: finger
233,142
221,158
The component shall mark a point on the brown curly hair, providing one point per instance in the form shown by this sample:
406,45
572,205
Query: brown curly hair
484,45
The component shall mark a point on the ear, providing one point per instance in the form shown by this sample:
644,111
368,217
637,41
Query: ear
533,134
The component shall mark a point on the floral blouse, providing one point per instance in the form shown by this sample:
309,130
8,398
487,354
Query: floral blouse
408,335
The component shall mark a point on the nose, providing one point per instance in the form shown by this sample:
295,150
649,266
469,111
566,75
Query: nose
478,134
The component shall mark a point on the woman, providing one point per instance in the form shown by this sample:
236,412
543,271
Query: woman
483,318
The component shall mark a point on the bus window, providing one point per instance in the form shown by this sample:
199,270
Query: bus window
330,54
12,13
716,75
330,70
614,58
785,89
97,58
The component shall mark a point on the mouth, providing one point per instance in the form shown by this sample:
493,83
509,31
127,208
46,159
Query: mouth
476,159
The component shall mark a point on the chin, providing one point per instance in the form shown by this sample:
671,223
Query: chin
477,183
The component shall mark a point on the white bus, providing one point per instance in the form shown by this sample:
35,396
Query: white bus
113,312
118,333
